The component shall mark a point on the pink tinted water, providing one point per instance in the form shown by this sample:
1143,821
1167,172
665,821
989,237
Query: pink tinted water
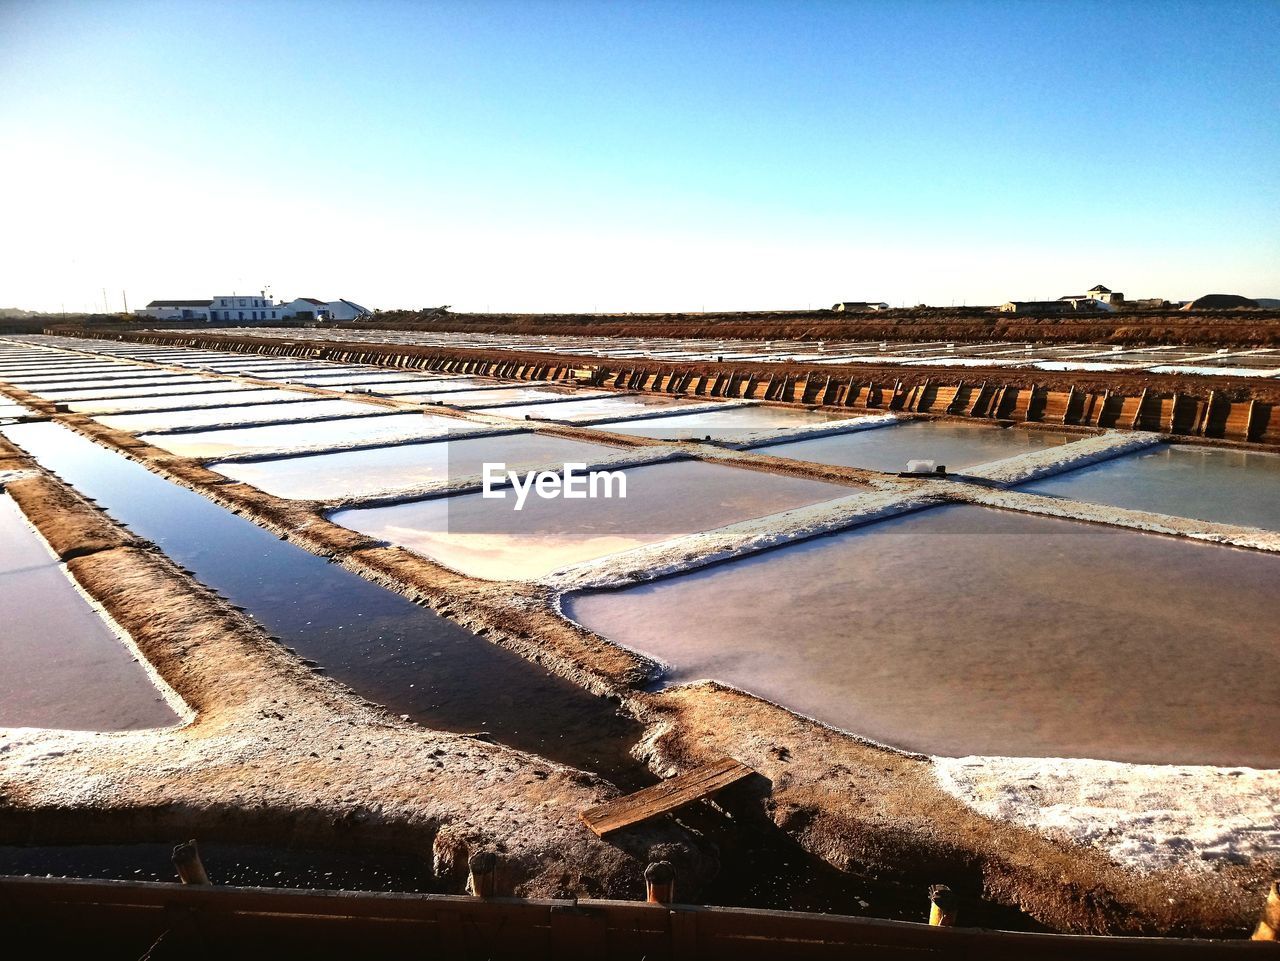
359,473
487,538
963,630
63,666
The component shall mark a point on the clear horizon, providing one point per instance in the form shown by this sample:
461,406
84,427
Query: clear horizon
637,157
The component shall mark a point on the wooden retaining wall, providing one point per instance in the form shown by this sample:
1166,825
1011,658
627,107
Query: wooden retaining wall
125,918
1211,416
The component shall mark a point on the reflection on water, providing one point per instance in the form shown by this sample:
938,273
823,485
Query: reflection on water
388,649
178,387
241,415
953,445
591,407
243,395
449,384
349,430
484,398
1209,483
962,630
362,472
724,424
486,537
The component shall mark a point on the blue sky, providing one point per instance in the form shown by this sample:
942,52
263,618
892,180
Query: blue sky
637,156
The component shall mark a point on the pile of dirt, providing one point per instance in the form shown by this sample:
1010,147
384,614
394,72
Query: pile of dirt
1221,302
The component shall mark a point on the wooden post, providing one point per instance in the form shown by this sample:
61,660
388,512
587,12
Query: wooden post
942,906
1268,928
483,867
660,882
186,858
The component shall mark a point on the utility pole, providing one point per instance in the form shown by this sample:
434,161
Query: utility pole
105,308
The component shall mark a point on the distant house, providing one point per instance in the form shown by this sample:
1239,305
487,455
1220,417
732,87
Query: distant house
1095,298
1038,307
1086,302
1105,295
233,308
854,305
178,309
306,308
346,310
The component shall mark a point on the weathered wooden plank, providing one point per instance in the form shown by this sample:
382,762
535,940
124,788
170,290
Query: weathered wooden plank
665,797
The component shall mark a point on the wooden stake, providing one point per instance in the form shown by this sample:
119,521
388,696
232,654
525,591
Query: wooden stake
942,906
483,866
1268,928
660,883
186,858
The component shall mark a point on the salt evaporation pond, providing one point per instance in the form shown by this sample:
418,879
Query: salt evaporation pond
487,538
248,414
964,630
64,666
382,645
591,408
359,473
488,398
354,379
724,424
50,372
221,398
953,445
126,378
347,430
1208,483
178,387
455,383
389,388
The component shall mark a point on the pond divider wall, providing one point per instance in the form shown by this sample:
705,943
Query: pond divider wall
1195,411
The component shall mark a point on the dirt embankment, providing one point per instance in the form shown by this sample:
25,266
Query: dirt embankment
875,811
278,751
1216,328
1118,382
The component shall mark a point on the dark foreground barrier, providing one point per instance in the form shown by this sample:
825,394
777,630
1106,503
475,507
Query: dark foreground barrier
127,919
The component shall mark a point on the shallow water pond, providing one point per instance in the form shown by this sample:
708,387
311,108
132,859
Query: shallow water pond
382,645
953,445
248,414
726,424
64,666
451,384
1208,483
178,386
963,630
221,398
487,537
359,473
591,408
506,395
347,430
